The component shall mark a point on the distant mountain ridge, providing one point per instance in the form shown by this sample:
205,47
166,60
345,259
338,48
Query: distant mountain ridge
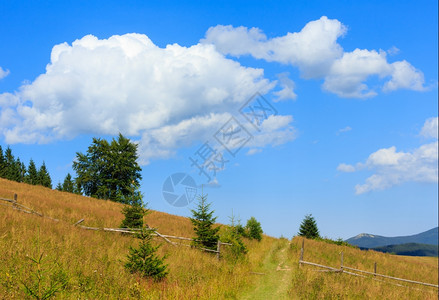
411,249
366,240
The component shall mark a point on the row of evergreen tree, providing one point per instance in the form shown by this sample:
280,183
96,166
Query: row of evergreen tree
14,169
68,185
108,170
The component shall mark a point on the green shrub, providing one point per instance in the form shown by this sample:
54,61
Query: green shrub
254,229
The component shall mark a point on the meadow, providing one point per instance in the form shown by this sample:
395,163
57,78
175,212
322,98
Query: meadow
91,263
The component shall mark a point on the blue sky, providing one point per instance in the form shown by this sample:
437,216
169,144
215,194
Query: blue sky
352,138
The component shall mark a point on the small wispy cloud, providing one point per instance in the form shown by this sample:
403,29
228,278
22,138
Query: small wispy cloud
345,129
3,73
254,151
393,51
346,168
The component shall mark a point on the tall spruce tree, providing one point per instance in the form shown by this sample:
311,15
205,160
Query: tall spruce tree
32,173
77,188
2,164
108,170
68,184
206,235
12,170
308,228
44,177
21,170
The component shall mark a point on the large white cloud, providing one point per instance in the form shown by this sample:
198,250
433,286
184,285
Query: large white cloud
394,168
169,97
317,54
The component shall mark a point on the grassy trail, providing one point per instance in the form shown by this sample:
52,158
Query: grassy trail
277,269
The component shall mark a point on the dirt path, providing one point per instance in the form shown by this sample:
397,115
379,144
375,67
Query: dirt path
277,269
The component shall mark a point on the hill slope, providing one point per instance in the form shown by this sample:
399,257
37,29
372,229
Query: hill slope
92,262
365,240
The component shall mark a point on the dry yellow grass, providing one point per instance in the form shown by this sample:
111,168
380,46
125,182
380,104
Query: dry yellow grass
308,281
93,261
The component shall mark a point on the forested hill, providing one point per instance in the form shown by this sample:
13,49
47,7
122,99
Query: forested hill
410,249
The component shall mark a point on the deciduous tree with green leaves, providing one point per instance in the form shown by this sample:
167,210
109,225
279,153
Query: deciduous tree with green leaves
108,170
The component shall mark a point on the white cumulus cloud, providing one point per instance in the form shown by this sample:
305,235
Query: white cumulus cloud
312,50
167,97
392,167
405,76
348,73
316,52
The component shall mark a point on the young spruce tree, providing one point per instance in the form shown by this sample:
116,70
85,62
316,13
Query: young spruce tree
68,184
203,221
254,229
308,228
134,211
233,236
144,260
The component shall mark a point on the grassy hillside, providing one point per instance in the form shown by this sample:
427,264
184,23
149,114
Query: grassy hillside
307,280
92,261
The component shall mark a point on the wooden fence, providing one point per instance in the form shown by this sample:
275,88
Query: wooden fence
13,203
343,269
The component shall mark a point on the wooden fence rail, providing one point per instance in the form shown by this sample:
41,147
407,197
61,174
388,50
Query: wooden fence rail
20,207
342,270
391,277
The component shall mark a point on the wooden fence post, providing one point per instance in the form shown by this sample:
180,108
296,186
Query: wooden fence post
218,247
14,203
301,251
375,268
341,265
